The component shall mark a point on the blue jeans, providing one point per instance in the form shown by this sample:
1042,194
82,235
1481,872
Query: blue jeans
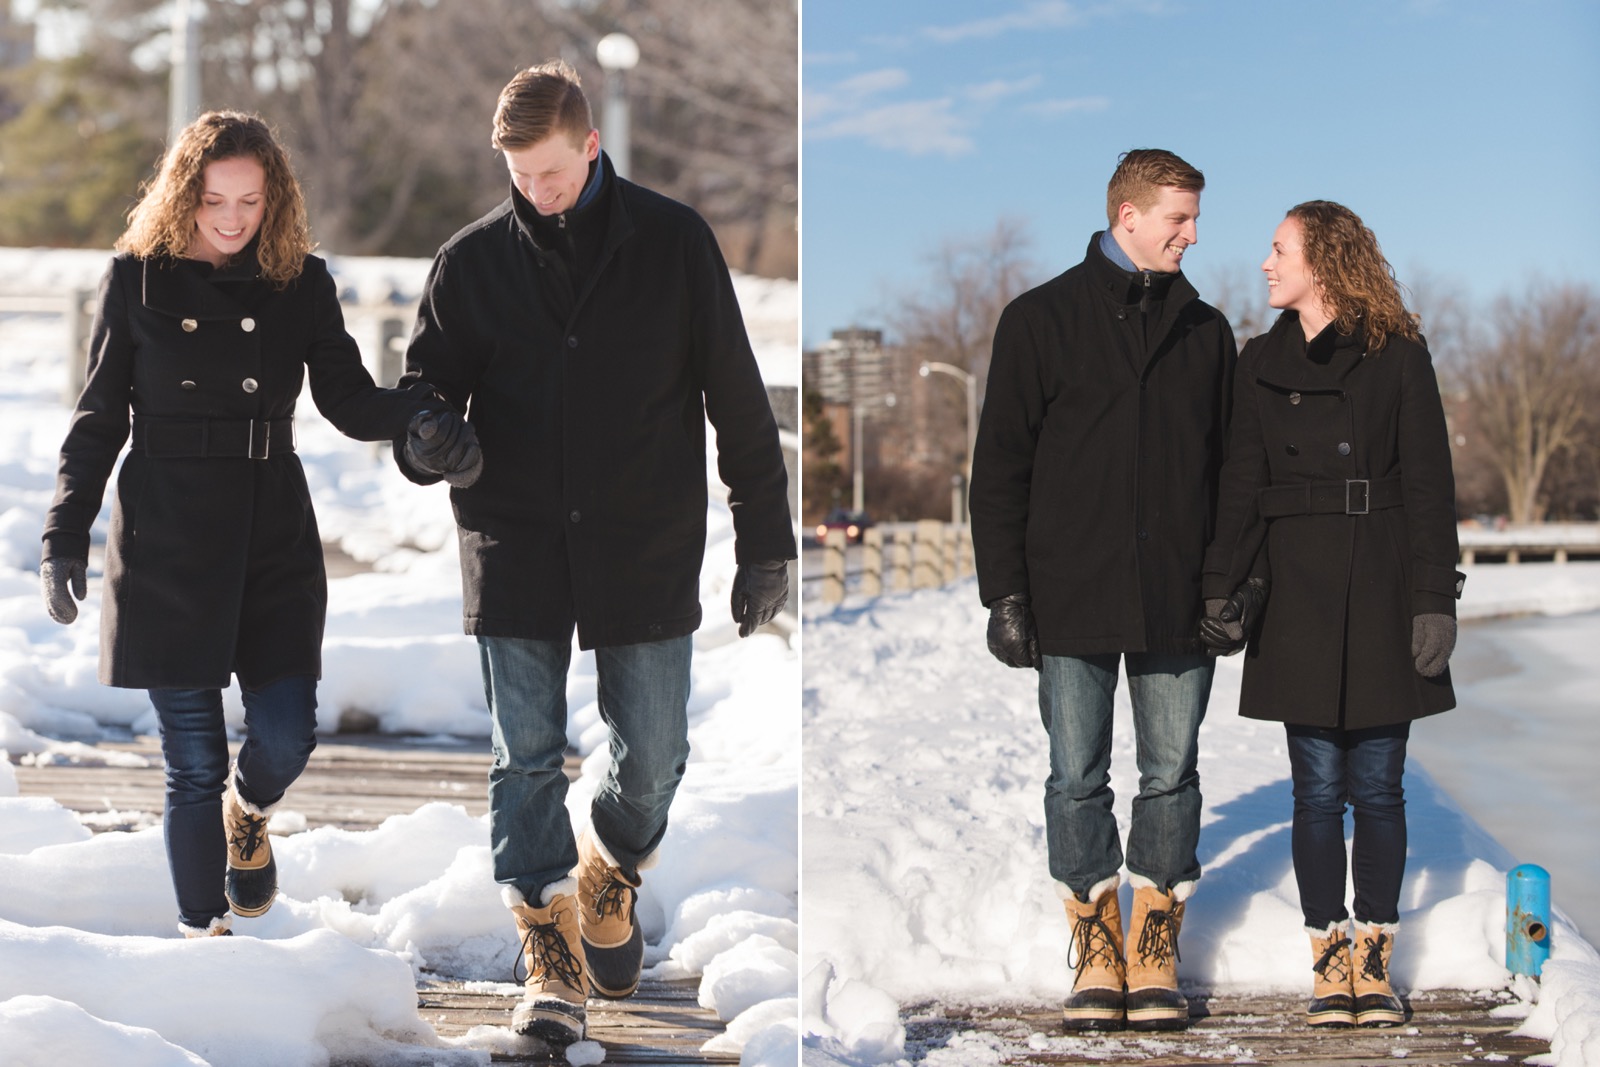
643,696
1362,768
1169,701
280,732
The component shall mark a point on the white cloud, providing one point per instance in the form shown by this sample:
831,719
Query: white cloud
990,91
1039,15
920,127
853,93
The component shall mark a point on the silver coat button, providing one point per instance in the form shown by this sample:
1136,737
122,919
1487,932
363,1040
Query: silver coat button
249,385
186,384
190,326
1294,398
247,325
1344,448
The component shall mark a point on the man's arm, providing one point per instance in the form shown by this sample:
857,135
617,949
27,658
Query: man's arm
448,361
1003,457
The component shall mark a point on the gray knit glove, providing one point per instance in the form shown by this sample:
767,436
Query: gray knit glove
57,576
1433,638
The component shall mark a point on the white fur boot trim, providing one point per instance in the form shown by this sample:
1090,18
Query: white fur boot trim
1181,891
1383,928
512,897
238,798
1096,891
214,927
611,861
1331,929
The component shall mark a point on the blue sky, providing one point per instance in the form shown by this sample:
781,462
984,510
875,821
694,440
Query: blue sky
1466,133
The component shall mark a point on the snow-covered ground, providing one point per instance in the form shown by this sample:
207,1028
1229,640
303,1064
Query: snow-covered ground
91,969
925,876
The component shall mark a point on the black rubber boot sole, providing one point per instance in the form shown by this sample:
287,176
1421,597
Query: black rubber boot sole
251,892
614,972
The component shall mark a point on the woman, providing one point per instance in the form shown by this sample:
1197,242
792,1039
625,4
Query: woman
208,320
1338,492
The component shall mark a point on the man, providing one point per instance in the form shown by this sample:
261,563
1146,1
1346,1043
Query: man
588,327
1093,493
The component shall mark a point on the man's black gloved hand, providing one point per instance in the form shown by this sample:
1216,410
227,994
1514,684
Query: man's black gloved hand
443,443
57,576
1433,638
1013,637
1229,624
760,590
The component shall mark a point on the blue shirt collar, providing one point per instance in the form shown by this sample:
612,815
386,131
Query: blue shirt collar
1114,252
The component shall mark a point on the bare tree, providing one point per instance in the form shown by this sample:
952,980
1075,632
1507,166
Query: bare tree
1240,293
1526,383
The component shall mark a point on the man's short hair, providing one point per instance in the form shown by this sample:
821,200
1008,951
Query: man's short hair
538,102
1141,175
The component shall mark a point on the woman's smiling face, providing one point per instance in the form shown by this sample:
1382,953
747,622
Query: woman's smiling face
232,206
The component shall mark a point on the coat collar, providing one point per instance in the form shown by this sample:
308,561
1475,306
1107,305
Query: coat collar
1322,363
187,289
611,203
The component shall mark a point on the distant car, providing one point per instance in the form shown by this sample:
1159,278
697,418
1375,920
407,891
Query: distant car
853,523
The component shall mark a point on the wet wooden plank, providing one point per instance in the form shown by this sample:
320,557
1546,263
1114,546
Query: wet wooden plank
1446,1027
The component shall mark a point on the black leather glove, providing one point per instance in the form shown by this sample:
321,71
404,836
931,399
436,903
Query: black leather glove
1433,638
1229,624
58,575
760,590
443,443
1013,637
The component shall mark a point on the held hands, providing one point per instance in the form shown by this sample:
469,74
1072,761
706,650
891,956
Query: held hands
56,577
1229,624
1013,636
1433,638
443,443
760,590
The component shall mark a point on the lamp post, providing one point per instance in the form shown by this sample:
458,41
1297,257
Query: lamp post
618,53
970,384
183,86
858,480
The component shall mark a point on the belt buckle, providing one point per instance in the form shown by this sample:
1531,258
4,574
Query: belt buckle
266,440
1366,496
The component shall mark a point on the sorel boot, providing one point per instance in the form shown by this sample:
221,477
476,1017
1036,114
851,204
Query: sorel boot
1333,999
1154,1002
1096,1002
251,881
613,945
1376,1004
218,927
556,986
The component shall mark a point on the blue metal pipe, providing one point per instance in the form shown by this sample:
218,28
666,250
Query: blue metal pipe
1527,919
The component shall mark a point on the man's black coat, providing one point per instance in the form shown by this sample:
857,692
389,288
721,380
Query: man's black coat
590,404
213,564
1095,475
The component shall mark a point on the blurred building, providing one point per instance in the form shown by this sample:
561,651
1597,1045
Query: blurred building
849,368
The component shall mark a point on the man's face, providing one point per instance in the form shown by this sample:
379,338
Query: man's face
552,172
1155,239
1290,283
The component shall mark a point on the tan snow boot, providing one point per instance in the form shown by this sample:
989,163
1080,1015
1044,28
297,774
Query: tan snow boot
218,927
1095,952
613,944
1154,1002
556,987
251,881
1333,1000
1376,1004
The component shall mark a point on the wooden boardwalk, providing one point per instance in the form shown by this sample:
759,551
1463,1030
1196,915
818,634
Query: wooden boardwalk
357,782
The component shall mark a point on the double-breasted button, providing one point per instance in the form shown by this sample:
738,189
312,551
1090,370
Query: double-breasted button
190,326
572,342
1144,535
249,385
1294,398
247,325
186,384
1293,450
1344,448
575,516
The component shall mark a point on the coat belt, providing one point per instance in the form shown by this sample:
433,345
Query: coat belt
175,438
1355,496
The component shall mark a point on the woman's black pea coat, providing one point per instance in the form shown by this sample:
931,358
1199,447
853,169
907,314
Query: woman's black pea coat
1334,648
213,564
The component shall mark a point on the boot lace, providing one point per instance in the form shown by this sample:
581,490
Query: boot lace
1158,940
1091,941
550,954
613,896
247,833
1372,961
1333,959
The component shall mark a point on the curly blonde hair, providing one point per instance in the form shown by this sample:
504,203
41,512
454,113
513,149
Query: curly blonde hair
1357,285
162,222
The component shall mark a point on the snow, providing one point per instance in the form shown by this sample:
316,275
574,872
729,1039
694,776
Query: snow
925,869
91,967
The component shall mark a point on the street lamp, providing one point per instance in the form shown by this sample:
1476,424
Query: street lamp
970,384
183,92
618,53
858,481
